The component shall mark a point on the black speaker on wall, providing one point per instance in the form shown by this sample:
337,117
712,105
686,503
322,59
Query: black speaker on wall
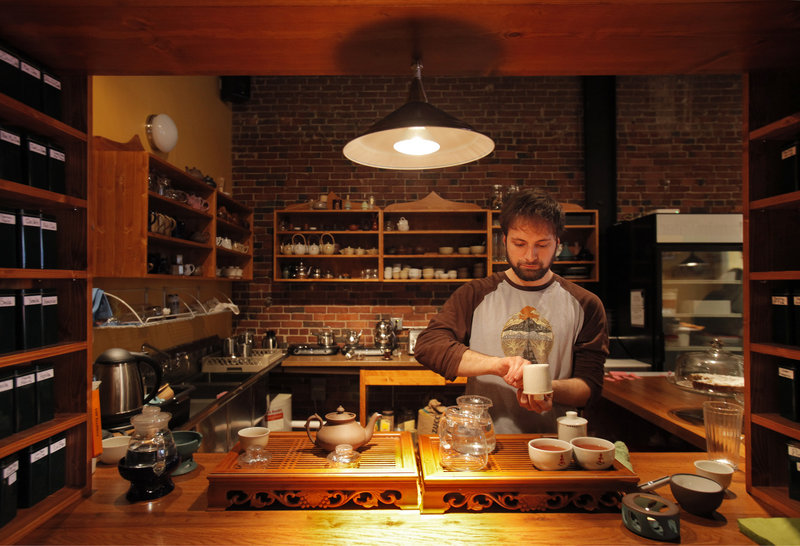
234,88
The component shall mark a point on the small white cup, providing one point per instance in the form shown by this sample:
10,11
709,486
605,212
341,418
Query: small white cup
254,436
721,473
550,453
536,379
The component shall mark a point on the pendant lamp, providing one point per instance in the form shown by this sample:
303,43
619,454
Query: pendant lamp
693,261
418,136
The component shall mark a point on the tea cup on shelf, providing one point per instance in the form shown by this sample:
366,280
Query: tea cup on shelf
189,269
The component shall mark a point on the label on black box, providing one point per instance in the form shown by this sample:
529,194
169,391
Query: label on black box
34,299
6,218
10,469
30,70
26,380
6,301
61,444
51,81
6,385
49,300
37,148
11,138
780,300
49,225
58,155
794,451
45,374
40,454
7,57
32,221
786,372
789,152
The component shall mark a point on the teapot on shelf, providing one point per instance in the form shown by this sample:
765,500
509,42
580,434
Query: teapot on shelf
340,427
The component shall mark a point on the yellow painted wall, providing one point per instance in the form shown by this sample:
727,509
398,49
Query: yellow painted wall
121,105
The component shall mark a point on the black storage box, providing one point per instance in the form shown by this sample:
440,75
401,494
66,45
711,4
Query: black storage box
9,314
30,239
49,316
56,168
34,474
49,242
51,95
794,470
10,154
9,235
9,472
30,303
781,314
30,84
34,161
58,462
45,392
790,179
6,402
9,73
24,398
789,390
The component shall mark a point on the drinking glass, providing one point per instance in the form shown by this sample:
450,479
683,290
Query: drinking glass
723,423
462,442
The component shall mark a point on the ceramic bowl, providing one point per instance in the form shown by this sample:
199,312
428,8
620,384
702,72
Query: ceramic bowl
114,448
696,494
186,442
477,249
445,250
719,472
593,453
414,273
254,436
463,250
550,453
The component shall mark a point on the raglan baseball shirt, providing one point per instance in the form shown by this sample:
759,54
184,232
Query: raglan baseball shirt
559,323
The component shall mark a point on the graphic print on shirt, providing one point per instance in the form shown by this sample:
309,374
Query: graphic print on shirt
529,335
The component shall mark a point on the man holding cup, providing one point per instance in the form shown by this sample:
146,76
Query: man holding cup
490,329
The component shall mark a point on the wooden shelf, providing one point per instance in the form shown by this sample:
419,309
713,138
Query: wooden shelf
37,122
21,195
50,351
30,436
28,519
769,211
43,274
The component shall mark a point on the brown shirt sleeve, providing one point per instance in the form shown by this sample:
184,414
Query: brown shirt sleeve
442,344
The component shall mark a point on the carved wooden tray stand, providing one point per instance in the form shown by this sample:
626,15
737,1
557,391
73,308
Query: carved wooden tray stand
298,477
511,482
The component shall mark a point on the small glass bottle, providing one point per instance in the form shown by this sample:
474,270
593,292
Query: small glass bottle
344,456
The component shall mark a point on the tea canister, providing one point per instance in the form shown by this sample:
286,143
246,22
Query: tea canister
571,426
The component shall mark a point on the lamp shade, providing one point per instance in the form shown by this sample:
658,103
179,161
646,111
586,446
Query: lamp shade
418,136
162,132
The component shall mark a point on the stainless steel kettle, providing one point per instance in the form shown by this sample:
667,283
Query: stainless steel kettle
122,385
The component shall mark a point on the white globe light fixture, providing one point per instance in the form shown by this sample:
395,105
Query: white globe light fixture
162,132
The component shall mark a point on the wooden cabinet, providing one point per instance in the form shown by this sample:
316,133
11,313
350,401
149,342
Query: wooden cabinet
772,261
71,282
578,260
149,216
453,241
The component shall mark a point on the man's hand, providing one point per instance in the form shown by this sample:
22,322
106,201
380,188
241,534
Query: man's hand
538,402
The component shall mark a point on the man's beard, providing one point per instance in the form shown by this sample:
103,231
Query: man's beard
530,275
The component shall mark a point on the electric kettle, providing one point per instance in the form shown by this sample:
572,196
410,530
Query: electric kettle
122,389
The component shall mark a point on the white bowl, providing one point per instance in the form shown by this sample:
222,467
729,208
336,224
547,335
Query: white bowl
719,472
254,436
477,249
550,453
445,250
593,453
463,250
114,449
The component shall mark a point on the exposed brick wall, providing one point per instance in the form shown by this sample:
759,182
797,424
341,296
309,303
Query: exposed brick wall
288,140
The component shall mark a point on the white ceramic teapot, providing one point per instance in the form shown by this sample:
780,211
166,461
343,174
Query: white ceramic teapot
299,247
402,224
327,248
313,247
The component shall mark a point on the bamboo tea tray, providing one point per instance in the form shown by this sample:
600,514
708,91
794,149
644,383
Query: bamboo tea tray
298,476
511,482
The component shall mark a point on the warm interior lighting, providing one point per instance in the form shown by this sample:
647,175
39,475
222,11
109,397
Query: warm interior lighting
418,142
418,136
692,261
161,132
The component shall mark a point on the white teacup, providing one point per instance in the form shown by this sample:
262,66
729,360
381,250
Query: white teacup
550,453
189,269
536,380
254,436
719,472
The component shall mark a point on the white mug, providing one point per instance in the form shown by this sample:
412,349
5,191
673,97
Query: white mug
188,269
536,380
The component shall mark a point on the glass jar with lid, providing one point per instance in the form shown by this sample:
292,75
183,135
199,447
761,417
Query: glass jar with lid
714,371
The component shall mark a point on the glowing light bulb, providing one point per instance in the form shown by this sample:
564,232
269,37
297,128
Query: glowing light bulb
417,144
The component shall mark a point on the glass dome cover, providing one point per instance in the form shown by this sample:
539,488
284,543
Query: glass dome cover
713,371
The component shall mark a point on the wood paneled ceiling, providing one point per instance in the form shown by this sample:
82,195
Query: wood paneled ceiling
380,37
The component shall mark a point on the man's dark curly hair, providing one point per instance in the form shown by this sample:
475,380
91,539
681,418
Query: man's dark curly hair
532,204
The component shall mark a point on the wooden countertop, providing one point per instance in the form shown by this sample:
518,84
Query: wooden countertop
655,399
181,518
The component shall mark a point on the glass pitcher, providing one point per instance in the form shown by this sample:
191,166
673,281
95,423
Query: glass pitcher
480,406
151,456
462,442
